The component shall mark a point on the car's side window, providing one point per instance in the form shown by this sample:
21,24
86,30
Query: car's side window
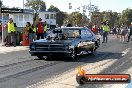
74,33
85,33
89,34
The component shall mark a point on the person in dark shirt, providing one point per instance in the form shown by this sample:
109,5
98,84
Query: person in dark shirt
130,33
69,25
32,32
0,31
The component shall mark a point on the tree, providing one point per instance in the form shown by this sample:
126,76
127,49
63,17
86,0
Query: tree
43,6
1,3
126,17
85,20
76,18
36,5
97,18
111,17
60,16
53,9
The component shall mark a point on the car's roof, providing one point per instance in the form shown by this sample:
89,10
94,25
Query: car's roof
70,28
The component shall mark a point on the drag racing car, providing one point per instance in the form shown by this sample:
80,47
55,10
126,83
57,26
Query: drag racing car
65,42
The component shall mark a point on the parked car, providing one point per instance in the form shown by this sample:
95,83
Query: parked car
65,42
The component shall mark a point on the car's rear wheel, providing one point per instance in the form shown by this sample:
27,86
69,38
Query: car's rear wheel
43,57
40,57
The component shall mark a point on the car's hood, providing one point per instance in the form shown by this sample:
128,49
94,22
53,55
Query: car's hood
54,41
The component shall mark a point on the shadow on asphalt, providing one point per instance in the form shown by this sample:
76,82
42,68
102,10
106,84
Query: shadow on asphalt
88,58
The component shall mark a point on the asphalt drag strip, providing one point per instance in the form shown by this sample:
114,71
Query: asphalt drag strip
110,58
62,73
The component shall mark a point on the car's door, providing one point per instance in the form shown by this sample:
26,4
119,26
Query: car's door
87,40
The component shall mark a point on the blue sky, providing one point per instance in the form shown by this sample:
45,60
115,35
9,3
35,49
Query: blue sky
114,5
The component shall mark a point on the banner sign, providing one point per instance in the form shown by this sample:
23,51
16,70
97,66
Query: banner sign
11,10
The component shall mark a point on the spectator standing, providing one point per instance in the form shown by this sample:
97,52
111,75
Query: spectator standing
114,31
0,31
32,32
101,31
94,29
40,29
118,31
11,33
123,33
130,32
69,25
106,30
45,29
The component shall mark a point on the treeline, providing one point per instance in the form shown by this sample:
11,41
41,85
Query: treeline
79,19
113,18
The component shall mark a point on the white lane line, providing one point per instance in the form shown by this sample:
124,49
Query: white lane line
125,52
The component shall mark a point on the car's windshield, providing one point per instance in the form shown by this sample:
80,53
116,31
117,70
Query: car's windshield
64,33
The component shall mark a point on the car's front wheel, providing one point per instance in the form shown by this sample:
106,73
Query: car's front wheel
74,54
93,49
97,43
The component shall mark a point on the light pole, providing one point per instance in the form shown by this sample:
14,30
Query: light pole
23,14
90,11
2,30
2,23
23,4
70,7
91,8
